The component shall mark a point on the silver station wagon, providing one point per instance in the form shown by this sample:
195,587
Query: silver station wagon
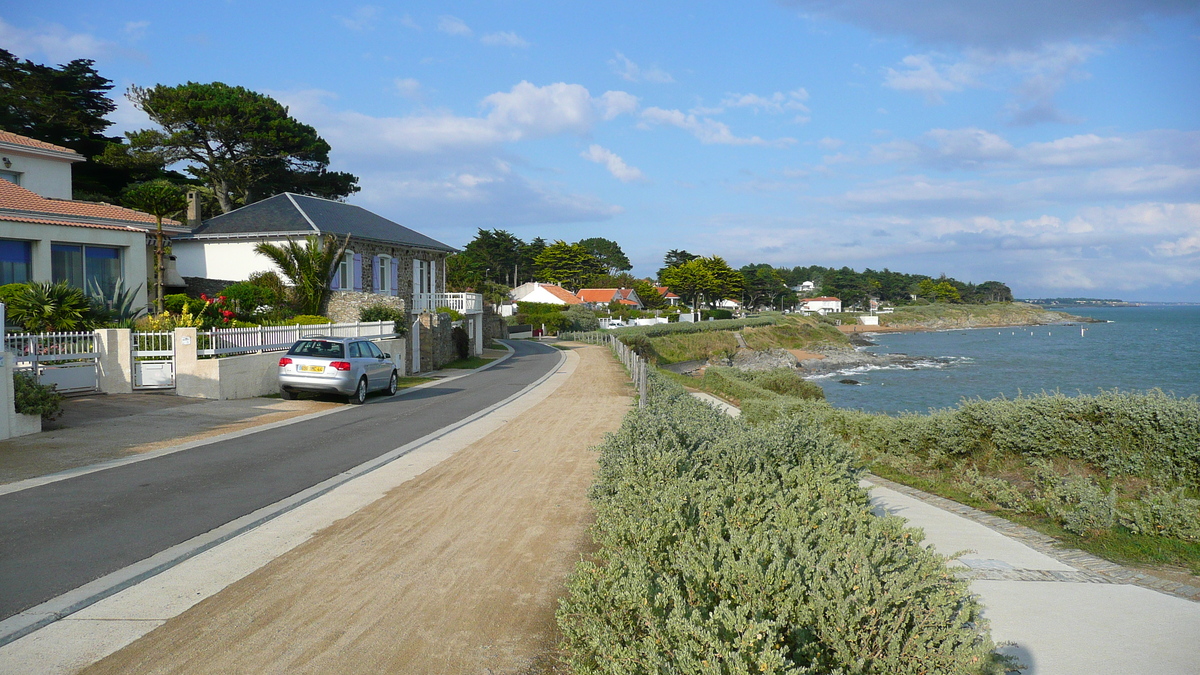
351,367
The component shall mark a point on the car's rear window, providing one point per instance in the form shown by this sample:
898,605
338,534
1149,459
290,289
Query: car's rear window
319,348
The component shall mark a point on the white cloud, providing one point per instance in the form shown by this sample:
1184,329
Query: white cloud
408,87
452,25
136,30
363,17
923,76
776,103
708,130
54,42
614,103
611,161
528,110
830,143
504,39
628,70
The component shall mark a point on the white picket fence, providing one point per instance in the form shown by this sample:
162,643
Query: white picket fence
227,341
66,360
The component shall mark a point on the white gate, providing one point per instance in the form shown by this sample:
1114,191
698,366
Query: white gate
153,360
66,360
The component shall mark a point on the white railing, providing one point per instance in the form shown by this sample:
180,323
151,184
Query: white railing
226,341
30,349
465,303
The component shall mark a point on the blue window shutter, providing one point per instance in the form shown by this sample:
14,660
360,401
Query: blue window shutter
335,282
374,274
395,277
358,272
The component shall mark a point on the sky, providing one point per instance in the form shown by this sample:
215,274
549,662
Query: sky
1053,145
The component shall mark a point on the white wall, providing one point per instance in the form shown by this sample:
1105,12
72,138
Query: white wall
229,261
47,176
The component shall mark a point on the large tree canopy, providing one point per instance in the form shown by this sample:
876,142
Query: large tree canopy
609,253
66,105
569,265
702,279
242,144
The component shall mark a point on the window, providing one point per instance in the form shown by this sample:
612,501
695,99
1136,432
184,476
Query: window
11,176
375,351
86,267
66,264
356,350
16,261
345,269
384,269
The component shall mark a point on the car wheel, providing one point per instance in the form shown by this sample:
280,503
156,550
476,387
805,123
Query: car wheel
288,395
393,384
360,394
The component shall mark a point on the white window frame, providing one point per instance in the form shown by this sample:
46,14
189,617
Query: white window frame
345,270
384,283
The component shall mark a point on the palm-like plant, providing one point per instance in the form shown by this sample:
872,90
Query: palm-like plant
159,198
309,268
115,307
43,307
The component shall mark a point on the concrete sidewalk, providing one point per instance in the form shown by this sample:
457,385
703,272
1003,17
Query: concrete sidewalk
1064,612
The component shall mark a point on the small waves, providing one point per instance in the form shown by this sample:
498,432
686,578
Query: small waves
935,363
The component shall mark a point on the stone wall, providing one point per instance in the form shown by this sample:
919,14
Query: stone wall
437,345
494,326
345,306
198,285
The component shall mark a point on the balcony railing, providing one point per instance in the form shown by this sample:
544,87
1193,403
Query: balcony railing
465,303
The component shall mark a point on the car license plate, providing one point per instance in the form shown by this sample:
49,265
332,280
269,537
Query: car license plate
312,369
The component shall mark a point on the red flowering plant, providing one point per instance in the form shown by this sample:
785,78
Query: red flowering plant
215,312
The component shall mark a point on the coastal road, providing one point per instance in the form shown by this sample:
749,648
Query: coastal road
59,536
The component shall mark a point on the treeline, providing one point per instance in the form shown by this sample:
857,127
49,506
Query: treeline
497,260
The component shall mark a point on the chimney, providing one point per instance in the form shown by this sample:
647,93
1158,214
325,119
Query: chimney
193,209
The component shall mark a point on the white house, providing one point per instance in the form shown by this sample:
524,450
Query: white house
47,236
549,294
601,297
822,305
806,287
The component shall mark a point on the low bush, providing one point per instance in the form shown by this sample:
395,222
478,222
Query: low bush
246,299
715,314
307,320
730,548
1170,514
36,399
455,315
386,313
175,303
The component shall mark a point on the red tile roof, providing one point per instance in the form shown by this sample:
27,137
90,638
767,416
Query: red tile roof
17,139
827,299
562,294
597,294
67,223
632,303
13,196
665,292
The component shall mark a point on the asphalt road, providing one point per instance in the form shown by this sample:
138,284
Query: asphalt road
59,536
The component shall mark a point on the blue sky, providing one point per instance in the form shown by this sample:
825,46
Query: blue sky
1050,144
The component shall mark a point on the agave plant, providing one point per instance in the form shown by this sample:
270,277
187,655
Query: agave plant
43,307
117,307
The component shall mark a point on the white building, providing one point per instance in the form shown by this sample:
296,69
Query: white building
47,236
549,294
822,305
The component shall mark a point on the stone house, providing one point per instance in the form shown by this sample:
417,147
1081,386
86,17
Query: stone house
385,262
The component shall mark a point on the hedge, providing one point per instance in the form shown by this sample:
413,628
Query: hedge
726,547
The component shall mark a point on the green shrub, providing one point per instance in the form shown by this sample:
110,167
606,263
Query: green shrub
308,320
730,548
386,313
581,319
1078,502
994,490
43,307
715,314
245,298
455,315
660,329
1166,514
36,399
272,283
175,302
8,291
539,308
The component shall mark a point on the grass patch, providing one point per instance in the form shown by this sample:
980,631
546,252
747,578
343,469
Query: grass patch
469,363
406,382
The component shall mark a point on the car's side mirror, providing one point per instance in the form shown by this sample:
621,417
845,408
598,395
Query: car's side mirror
387,355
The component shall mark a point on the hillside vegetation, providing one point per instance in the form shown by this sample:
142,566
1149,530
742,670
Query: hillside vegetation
942,316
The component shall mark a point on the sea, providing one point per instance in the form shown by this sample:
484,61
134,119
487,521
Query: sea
1136,349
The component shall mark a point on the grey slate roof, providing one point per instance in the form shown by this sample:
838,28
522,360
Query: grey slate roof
294,214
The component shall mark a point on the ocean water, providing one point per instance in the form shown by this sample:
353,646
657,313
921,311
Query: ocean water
1140,348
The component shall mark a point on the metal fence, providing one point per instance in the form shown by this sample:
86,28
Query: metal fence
66,360
638,366
229,341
